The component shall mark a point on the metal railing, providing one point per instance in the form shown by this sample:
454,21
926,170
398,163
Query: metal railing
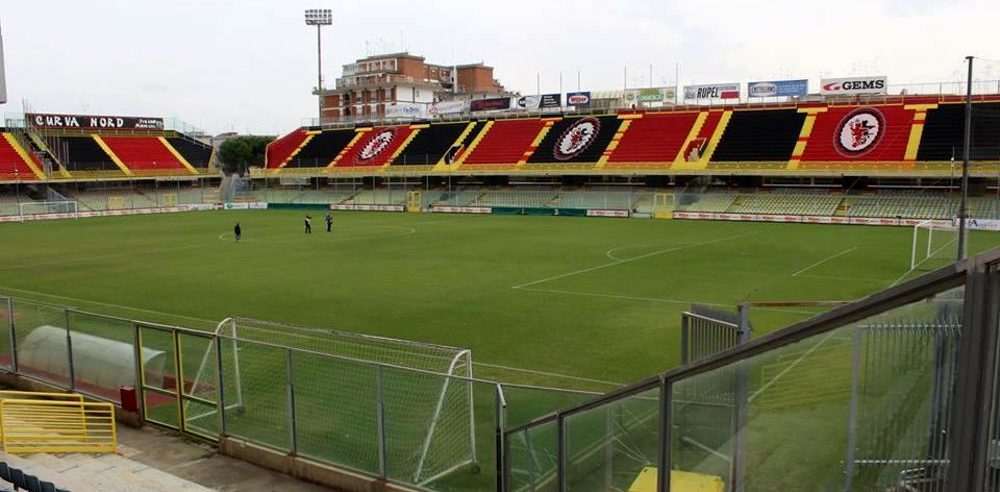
797,446
57,426
333,409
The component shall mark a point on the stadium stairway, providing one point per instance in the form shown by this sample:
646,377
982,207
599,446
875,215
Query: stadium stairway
154,460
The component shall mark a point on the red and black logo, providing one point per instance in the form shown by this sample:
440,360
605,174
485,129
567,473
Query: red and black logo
376,144
575,139
859,132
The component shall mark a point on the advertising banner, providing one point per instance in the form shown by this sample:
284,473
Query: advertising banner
89,122
852,86
778,88
544,101
712,91
492,104
448,107
405,110
578,99
650,95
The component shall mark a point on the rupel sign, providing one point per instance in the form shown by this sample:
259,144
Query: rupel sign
88,122
852,86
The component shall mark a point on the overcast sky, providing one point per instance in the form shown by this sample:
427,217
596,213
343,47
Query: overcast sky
249,65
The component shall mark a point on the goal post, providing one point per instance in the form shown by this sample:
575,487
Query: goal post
933,244
425,389
53,209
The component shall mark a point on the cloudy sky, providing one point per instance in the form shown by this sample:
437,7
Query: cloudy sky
249,65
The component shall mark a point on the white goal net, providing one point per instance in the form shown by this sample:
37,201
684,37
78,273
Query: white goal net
935,244
33,210
351,392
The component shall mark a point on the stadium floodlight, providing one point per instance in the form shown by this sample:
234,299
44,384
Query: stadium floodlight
319,18
3,79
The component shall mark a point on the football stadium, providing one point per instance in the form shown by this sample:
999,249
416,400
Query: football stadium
442,280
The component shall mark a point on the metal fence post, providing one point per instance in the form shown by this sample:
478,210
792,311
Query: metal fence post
741,418
13,335
140,378
561,452
666,409
500,419
975,387
852,422
220,393
69,352
684,338
380,417
293,443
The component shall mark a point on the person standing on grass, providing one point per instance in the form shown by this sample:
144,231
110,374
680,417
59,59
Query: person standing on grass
329,222
309,225
237,232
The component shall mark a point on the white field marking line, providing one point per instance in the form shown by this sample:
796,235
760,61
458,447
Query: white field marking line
634,258
657,299
106,304
610,253
914,267
824,260
543,373
791,366
837,277
214,322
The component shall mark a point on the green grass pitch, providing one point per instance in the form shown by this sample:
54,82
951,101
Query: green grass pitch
558,301
592,298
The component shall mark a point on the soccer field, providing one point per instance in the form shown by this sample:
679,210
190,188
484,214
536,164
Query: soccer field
598,299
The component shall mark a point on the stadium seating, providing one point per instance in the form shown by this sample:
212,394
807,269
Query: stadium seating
197,154
704,202
528,198
548,151
379,197
321,149
887,151
943,129
430,144
915,207
283,148
145,155
504,143
783,203
375,148
759,136
85,158
597,199
12,164
654,138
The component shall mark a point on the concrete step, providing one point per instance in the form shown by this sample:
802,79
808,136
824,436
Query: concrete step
81,472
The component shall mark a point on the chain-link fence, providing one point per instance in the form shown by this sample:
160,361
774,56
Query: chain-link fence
360,405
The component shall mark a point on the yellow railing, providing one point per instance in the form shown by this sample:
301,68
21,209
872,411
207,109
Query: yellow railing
63,424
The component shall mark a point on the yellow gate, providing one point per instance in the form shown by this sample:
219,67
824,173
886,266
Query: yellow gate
663,206
413,201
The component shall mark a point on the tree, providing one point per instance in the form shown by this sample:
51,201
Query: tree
239,153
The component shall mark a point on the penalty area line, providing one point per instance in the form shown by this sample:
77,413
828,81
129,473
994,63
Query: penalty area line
628,260
824,260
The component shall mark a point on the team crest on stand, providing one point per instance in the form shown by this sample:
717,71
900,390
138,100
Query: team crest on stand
575,139
859,132
377,144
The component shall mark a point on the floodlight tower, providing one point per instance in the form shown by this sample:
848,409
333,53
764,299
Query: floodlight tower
319,18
